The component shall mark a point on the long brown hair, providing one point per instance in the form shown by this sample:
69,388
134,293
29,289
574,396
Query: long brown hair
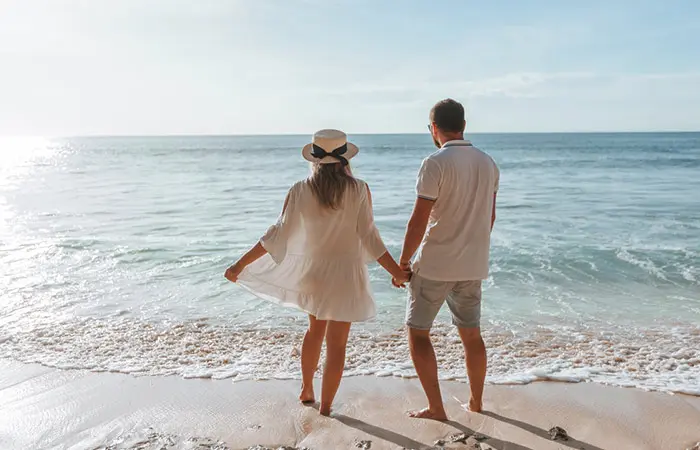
329,182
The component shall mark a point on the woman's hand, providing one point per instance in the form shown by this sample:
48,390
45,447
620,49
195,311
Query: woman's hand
400,279
255,253
399,276
233,272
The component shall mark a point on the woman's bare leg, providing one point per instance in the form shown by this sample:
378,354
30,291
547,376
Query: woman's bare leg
310,354
336,341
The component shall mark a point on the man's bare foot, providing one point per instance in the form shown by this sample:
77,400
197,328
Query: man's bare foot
307,395
474,406
428,413
325,410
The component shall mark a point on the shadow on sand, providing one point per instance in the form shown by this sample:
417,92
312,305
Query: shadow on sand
408,443
498,444
544,434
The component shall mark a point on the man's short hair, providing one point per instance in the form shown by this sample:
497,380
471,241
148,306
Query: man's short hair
448,115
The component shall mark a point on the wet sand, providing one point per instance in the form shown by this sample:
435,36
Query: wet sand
48,408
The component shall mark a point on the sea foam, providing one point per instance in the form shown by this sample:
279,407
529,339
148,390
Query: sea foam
654,359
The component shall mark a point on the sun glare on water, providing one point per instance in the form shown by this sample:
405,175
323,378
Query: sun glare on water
17,151
18,157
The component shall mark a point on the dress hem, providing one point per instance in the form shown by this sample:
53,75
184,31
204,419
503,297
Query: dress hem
277,301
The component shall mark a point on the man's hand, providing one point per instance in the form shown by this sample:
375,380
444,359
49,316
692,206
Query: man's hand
400,281
233,272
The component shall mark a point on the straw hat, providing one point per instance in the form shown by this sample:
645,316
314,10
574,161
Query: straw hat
329,147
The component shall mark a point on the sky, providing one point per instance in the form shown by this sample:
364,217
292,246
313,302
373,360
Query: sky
176,67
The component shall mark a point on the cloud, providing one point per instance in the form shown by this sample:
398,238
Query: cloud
526,84
531,101
515,85
535,84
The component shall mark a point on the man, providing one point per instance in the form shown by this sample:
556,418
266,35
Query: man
451,223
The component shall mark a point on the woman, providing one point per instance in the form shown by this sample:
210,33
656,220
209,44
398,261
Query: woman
314,259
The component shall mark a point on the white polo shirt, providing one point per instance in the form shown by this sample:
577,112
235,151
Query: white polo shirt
462,180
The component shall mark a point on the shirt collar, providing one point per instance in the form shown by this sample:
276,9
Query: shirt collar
458,142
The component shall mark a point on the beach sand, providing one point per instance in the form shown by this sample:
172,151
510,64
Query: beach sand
47,408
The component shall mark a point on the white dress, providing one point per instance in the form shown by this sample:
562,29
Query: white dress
317,258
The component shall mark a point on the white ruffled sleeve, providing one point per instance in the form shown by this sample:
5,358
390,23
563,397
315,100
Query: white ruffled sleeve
276,237
369,234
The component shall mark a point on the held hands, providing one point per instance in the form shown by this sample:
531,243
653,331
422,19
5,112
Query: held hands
400,280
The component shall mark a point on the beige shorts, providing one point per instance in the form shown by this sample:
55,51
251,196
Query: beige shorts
427,296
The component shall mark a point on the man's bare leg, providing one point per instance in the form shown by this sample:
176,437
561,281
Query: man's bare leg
423,356
475,352
310,354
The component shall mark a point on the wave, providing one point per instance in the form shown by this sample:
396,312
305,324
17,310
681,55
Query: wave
664,359
643,263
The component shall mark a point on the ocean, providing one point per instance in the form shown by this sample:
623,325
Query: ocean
113,249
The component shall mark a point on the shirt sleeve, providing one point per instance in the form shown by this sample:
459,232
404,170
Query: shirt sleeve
276,237
366,229
428,184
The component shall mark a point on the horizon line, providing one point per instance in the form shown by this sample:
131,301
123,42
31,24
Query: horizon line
188,135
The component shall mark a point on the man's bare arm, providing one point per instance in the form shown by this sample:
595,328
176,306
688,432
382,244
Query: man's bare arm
415,231
493,211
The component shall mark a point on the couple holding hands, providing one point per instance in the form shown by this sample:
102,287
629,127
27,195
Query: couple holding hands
315,257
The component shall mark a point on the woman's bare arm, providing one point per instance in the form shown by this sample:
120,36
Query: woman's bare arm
252,255
388,262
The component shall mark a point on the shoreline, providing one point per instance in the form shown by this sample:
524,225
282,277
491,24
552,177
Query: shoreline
663,359
52,408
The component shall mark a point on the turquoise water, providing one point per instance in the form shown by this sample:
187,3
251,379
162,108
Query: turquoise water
113,251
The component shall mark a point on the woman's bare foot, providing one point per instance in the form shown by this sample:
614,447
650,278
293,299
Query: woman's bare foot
307,395
474,406
428,413
325,410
